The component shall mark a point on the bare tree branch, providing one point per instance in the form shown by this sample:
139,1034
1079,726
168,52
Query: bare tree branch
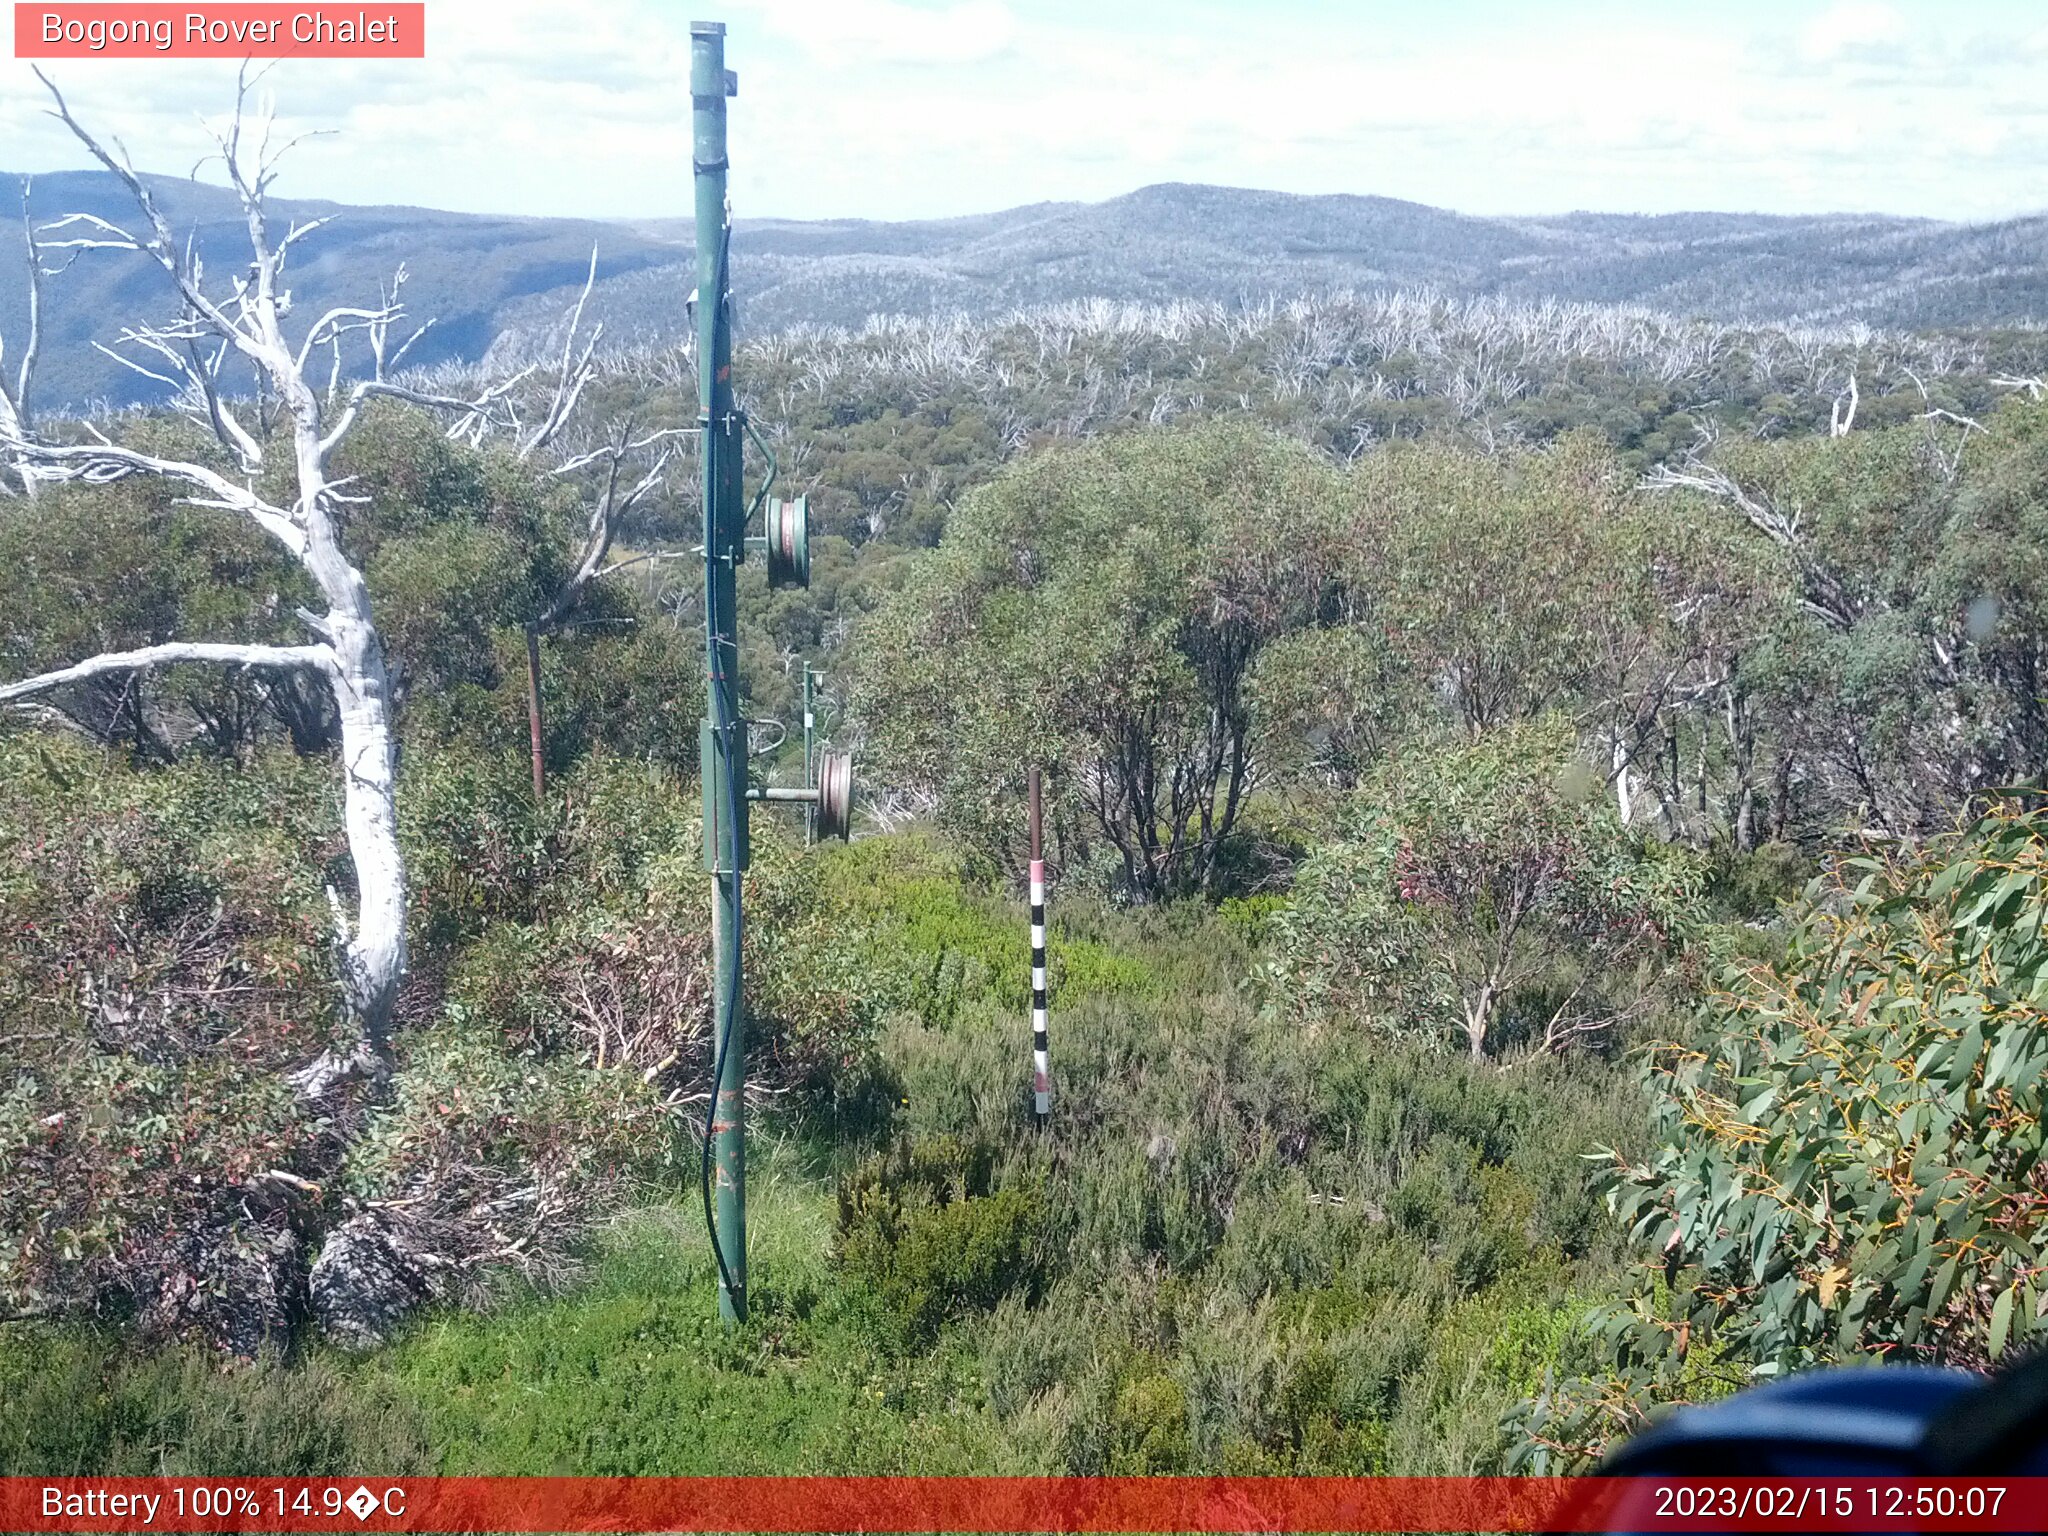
102,463
647,557
1825,596
472,416
316,657
162,247
572,376
607,508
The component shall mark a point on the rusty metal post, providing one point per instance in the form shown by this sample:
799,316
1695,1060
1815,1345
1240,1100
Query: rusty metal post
535,726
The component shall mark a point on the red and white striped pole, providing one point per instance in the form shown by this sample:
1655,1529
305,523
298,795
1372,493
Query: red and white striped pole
1041,1046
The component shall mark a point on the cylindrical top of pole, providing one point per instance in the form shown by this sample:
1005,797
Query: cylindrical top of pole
1037,819
709,86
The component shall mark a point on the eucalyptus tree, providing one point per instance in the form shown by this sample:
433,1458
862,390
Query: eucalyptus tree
1478,889
1098,610
1901,670
1847,1164
1486,591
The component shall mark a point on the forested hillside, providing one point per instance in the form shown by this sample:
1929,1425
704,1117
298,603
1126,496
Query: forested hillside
499,280
1522,776
1233,245
462,270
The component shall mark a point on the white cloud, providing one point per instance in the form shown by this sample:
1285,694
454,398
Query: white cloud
892,32
902,108
1852,27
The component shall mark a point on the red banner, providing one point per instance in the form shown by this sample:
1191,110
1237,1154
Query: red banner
213,31
1124,1504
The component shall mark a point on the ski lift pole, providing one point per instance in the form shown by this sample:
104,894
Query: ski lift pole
1041,1044
722,738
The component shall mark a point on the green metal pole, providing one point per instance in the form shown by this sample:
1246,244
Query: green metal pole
722,738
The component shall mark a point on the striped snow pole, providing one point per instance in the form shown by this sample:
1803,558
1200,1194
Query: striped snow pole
1041,1045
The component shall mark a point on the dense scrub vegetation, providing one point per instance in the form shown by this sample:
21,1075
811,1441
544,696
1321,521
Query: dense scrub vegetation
1426,815
1246,1245
1849,1143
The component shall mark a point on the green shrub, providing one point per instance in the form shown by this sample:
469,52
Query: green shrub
934,946
163,961
567,1042
1250,916
476,847
928,1235
1756,887
1849,1149
1148,1426
1484,893
89,1404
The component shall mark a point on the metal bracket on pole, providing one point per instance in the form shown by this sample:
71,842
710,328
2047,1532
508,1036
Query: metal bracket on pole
829,801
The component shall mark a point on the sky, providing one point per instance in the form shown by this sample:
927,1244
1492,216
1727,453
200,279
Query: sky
893,109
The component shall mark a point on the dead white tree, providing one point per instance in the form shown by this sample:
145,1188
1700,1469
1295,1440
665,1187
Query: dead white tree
1948,456
1842,414
1823,593
611,502
241,323
623,470
16,407
616,493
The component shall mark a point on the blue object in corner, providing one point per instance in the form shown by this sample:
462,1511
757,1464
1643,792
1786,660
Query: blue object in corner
1871,1421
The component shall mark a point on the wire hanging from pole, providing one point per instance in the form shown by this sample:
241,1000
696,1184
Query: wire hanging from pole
735,808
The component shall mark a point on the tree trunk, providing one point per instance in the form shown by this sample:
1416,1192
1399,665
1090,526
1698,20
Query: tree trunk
376,949
1663,783
1624,791
1742,746
1781,794
535,725
1478,1014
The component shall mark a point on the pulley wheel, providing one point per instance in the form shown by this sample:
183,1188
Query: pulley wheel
835,796
789,542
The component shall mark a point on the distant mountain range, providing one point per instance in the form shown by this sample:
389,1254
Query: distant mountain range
496,280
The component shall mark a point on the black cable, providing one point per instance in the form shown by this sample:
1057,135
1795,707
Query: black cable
732,1001
735,808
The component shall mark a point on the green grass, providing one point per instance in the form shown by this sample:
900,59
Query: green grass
627,1373
87,1402
632,1373
949,946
